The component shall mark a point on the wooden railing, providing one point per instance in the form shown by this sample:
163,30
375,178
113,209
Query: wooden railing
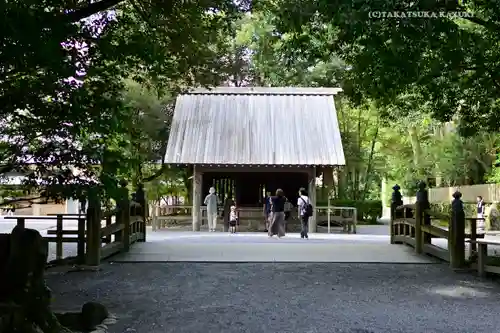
416,225
120,230
165,216
346,217
171,215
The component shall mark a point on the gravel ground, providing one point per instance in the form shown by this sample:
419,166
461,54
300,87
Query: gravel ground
261,298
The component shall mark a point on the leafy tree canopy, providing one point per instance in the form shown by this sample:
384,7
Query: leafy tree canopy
451,63
63,65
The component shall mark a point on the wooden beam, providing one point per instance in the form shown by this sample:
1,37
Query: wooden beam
248,169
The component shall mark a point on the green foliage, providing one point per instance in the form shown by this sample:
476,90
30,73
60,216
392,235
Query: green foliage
59,125
450,62
495,174
360,130
470,208
8,191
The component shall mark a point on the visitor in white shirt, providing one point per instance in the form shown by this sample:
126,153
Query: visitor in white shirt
302,201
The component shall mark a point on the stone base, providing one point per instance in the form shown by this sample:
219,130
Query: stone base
93,318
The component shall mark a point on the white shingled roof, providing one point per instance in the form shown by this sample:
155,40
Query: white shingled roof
256,126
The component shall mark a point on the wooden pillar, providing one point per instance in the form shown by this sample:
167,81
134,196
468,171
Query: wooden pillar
197,196
456,239
141,200
396,201
386,211
93,253
328,184
125,219
419,214
312,197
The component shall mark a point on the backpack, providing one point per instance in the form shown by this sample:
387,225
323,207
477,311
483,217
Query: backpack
308,208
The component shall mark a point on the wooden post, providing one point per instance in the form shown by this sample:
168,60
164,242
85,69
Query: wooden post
21,222
141,200
119,220
154,217
355,220
396,201
312,199
80,249
59,237
125,206
120,210
473,237
482,258
457,232
196,200
421,216
93,255
109,221
328,182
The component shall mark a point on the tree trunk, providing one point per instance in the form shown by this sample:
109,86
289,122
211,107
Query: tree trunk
370,162
188,183
417,151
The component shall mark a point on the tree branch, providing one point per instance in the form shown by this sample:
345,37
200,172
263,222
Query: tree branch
91,9
157,173
30,200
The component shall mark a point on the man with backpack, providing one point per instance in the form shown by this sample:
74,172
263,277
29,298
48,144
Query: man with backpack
305,212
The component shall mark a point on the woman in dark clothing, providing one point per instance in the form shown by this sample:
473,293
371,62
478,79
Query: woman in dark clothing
277,225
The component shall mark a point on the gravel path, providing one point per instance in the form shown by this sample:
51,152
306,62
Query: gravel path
262,298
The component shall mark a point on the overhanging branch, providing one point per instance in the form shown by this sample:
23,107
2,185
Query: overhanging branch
91,9
31,200
156,174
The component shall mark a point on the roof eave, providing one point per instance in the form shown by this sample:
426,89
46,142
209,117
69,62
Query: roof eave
266,91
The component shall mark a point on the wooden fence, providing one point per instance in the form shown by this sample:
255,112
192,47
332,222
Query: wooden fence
416,225
253,217
97,238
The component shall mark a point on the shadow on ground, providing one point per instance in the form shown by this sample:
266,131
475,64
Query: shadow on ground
261,298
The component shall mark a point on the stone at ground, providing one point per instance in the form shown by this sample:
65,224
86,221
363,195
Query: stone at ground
93,314
93,317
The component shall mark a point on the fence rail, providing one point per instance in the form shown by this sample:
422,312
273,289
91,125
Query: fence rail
415,225
96,238
346,217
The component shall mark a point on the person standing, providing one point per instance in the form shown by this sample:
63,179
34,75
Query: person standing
277,225
226,209
233,220
211,201
267,210
481,207
302,204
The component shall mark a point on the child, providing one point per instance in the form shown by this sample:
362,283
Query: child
233,219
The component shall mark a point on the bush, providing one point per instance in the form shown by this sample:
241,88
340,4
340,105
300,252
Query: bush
445,208
368,211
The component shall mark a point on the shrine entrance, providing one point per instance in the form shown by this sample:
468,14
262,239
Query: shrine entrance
249,189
